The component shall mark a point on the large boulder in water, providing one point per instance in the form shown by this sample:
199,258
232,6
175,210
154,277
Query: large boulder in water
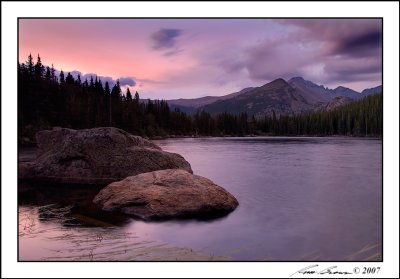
96,156
166,194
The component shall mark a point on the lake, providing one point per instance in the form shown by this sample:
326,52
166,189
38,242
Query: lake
300,199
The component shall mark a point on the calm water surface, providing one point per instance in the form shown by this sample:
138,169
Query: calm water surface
300,199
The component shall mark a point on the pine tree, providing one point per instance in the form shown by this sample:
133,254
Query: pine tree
107,88
137,97
69,79
53,73
128,95
91,85
39,69
108,96
61,77
30,66
78,80
47,76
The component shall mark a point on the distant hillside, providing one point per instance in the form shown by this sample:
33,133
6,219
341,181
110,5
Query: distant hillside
191,105
321,92
371,91
312,92
287,98
346,92
277,97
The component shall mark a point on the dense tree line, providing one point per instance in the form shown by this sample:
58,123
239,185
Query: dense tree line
46,100
359,118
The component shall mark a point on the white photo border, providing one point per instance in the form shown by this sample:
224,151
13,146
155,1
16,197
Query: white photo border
389,11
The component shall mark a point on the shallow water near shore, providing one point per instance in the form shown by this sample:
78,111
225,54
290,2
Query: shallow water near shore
299,199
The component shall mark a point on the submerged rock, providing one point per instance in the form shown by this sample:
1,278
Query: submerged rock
96,156
166,194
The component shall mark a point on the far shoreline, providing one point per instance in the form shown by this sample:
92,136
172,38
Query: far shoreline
263,136
26,142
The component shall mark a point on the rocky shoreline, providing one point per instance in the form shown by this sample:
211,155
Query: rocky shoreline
140,179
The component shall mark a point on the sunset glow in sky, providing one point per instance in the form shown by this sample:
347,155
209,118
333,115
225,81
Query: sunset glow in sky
188,58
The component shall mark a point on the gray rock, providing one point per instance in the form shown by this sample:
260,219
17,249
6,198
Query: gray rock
166,194
96,156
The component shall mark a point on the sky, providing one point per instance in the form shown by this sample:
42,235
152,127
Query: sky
190,58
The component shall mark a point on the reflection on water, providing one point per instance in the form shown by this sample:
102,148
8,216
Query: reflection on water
300,199
44,234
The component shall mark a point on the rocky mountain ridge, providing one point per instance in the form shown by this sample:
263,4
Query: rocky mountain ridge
278,97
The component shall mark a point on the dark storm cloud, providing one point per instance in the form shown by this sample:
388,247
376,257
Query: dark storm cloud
353,37
353,69
322,50
353,66
165,38
268,60
360,45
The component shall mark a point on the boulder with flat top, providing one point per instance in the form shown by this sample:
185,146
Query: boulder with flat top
165,194
96,156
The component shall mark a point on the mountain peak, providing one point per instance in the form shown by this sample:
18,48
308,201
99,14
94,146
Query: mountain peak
301,80
296,79
342,89
279,82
